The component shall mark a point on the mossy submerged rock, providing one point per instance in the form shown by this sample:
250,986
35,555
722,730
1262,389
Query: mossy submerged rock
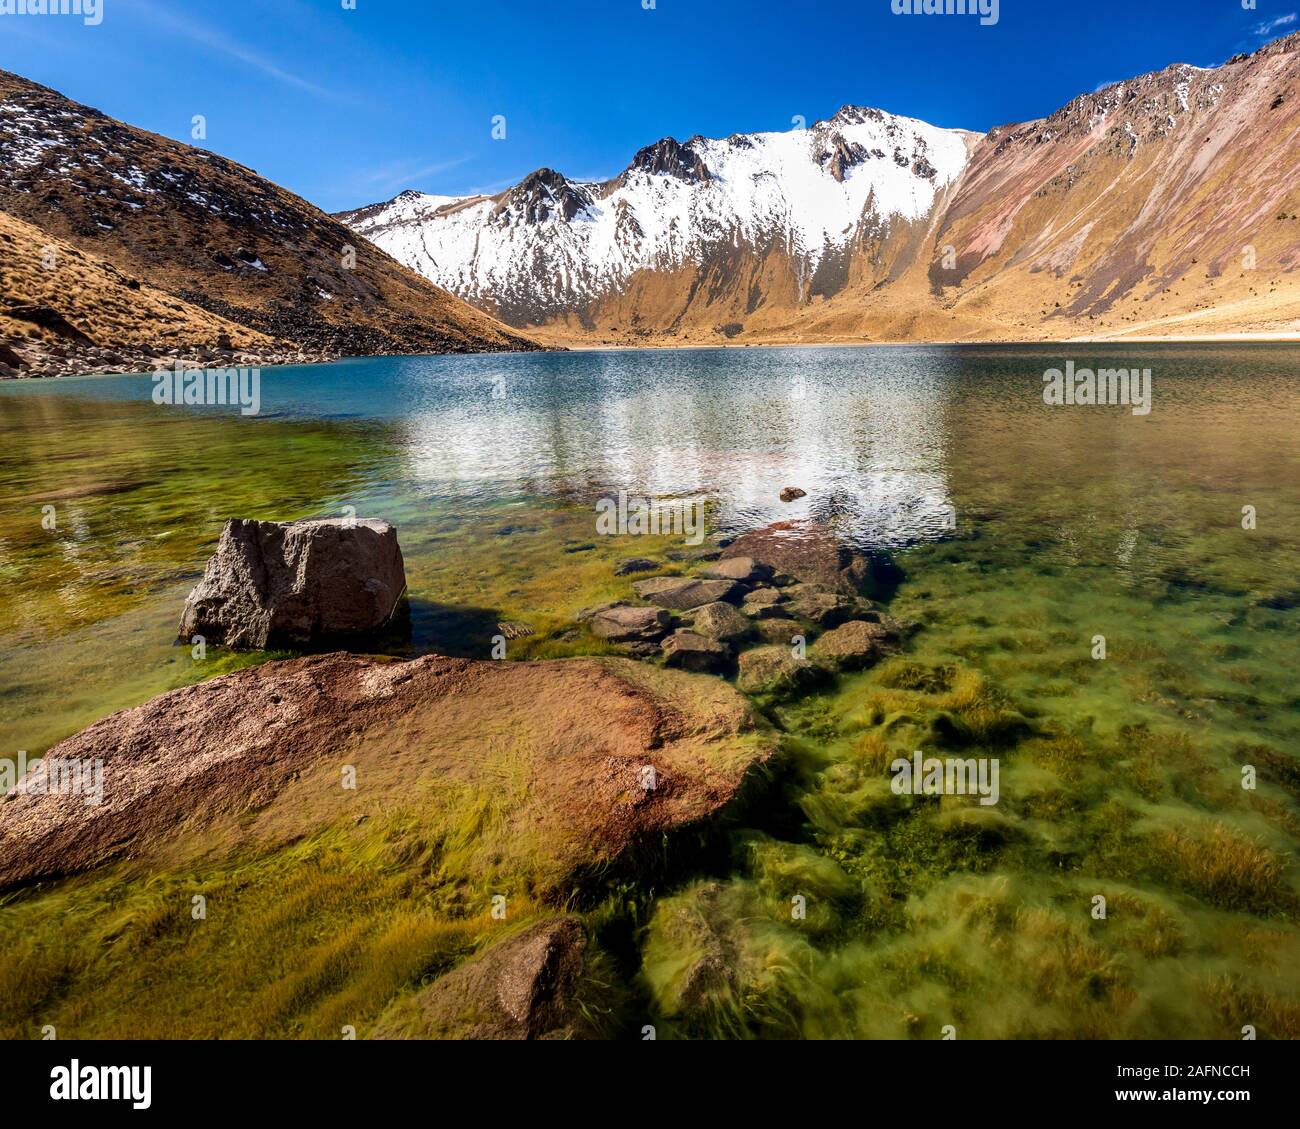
683,593
722,622
526,986
687,651
782,631
821,606
290,584
764,603
853,646
250,761
775,669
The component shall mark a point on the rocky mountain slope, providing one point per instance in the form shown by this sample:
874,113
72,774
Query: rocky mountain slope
720,225
210,234
1161,206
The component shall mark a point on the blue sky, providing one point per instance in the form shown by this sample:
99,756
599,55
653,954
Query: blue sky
349,106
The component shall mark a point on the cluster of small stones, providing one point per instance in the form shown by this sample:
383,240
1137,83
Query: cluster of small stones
736,616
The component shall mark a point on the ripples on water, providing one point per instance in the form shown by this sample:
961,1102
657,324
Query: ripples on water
872,434
1023,530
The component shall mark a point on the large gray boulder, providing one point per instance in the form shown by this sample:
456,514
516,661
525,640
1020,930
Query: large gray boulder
289,584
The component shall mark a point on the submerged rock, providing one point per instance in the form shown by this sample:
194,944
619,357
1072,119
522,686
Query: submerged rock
683,594
289,584
527,986
764,603
688,651
783,631
247,762
822,607
722,622
793,494
700,553
767,670
855,645
743,570
806,551
626,624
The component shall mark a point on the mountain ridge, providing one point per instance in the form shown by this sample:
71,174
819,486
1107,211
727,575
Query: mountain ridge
1092,221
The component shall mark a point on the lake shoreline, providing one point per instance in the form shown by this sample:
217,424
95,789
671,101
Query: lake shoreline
1026,343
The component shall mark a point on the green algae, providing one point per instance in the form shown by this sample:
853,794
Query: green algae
1121,777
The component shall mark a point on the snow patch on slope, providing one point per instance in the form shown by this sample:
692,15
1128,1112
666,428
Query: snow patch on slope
554,244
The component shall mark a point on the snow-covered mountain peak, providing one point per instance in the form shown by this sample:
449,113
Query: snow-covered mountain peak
548,246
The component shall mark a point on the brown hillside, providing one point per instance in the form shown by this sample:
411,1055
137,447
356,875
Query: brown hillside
80,310
218,236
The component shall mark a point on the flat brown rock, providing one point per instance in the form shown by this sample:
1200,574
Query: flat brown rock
625,624
558,750
682,594
806,551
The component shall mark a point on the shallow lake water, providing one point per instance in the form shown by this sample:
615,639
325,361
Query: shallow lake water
1022,532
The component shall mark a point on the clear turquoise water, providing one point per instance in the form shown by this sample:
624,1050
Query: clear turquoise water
1070,522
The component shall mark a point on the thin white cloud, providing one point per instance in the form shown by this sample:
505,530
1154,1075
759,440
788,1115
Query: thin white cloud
1268,27
401,176
224,45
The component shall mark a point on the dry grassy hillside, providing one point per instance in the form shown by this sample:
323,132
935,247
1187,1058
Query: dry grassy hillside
63,307
214,234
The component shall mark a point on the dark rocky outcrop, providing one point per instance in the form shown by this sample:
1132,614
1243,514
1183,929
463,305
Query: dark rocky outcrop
670,157
290,584
543,195
634,565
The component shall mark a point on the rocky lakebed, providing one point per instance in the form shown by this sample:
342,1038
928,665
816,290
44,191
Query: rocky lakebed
602,763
